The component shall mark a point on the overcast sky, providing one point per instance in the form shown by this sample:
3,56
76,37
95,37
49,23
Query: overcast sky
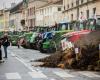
7,3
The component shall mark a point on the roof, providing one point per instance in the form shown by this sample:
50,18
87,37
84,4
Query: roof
38,0
16,7
58,2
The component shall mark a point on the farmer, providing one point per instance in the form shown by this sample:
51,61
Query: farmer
1,52
5,44
18,43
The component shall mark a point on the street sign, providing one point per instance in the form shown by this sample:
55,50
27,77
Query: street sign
66,44
63,44
99,46
76,50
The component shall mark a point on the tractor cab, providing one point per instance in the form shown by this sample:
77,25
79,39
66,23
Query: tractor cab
98,23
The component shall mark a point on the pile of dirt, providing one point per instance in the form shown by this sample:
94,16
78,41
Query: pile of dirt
52,60
88,56
92,38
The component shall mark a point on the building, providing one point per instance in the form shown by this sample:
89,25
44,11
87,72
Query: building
81,9
31,12
4,20
49,14
16,17
1,20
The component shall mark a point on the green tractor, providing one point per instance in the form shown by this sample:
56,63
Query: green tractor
26,40
13,39
34,40
36,37
46,44
51,41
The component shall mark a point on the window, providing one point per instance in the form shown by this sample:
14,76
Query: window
59,9
72,4
64,7
94,10
72,17
77,2
81,1
87,14
42,11
28,12
68,6
34,10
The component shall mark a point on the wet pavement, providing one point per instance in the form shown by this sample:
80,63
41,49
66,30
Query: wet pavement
18,66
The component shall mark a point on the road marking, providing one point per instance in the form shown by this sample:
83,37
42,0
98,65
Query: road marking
52,79
35,74
89,74
13,76
22,61
63,74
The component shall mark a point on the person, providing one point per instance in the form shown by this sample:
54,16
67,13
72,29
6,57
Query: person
1,51
18,43
5,44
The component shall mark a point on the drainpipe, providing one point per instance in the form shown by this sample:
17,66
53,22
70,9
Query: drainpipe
77,9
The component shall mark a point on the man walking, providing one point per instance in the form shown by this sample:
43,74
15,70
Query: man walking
5,44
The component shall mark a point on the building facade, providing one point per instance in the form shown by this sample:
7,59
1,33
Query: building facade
1,20
81,9
31,12
49,14
16,17
4,20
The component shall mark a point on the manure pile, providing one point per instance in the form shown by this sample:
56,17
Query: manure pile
88,57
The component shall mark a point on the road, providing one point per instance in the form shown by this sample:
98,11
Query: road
18,66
